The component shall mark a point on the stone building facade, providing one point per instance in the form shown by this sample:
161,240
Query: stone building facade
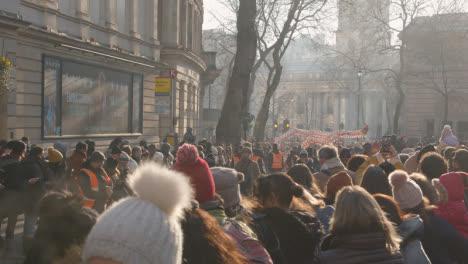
86,69
324,87
435,81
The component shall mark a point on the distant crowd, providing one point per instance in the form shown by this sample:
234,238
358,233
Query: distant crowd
247,203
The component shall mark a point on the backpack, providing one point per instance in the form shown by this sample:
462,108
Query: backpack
248,246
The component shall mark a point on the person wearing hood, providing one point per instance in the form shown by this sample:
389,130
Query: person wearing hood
168,158
145,228
330,165
94,184
452,207
442,242
447,139
409,227
197,170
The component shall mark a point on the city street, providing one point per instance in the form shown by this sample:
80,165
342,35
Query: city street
16,256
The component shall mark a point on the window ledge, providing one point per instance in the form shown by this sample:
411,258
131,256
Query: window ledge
94,136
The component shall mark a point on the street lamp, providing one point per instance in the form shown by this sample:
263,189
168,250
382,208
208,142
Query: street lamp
359,74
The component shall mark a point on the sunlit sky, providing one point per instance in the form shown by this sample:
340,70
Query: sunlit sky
213,7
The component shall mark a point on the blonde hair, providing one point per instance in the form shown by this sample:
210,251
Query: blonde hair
356,211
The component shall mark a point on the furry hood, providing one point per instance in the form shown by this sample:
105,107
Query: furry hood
332,163
450,187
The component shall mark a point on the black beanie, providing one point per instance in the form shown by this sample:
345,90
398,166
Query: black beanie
35,150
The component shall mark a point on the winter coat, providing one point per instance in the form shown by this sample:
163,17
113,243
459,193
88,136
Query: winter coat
11,198
200,177
412,231
286,235
251,173
31,168
357,249
324,215
330,167
121,188
452,205
442,243
99,196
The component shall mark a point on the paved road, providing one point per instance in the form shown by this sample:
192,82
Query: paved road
15,257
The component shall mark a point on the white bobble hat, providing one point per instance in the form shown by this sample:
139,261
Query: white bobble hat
144,229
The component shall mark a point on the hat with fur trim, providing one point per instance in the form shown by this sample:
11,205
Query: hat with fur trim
227,185
144,229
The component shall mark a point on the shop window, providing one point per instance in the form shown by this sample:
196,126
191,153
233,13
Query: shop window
82,99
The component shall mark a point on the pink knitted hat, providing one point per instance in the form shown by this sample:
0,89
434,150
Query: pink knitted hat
187,154
406,192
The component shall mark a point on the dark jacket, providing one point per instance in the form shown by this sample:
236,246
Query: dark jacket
75,163
251,172
357,249
11,198
443,243
31,168
289,237
100,196
412,231
121,188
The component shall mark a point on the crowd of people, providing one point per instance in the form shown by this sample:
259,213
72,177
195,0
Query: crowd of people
248,203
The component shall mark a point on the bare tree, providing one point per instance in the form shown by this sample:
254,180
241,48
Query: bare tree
300,13
228,128
401,15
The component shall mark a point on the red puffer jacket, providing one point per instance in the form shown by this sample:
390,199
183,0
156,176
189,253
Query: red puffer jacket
452,205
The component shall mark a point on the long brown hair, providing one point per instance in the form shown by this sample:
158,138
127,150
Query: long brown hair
390,206
206,242
301,174
285,190
356,211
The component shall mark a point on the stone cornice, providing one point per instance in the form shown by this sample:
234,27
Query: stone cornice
57,39
86,21
188,56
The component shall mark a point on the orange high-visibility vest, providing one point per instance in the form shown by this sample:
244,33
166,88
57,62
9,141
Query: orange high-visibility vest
256,158
277,161
88,202
236,159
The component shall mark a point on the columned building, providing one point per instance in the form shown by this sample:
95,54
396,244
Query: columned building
86,69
